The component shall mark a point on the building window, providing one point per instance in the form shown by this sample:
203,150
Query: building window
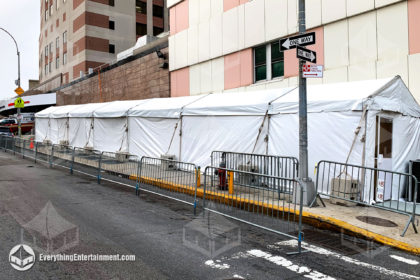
65,37
141,7
112,25
157,11
46,50
50,67
57,63
141,29
111,3
268,62
51,10
51,48
46,15
111,48
64,58
57,43
57,5
46,69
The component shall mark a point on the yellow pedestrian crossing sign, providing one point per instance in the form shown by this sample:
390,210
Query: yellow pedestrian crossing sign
19,103
19,91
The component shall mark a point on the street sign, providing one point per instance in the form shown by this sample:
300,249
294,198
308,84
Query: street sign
306,54
19,103
299,40
19,91
313,71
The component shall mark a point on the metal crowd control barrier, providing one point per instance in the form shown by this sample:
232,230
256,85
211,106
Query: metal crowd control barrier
62,155
173,179
232,193
43,152
119,167
29,148
86,161
352,184
278,166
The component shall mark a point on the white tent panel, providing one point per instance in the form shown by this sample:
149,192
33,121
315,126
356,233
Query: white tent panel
110,134
46,112
63,111
163,107
152,136
86,110
117,109
41,129
235,104
203,134
80,132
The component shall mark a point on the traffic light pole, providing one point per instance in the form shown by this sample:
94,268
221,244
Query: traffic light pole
17,81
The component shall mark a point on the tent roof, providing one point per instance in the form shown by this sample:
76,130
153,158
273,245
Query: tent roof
163,107
386,94
86,110
46,112
236,103
117,109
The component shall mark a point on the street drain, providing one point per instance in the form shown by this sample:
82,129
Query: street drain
376,221
29,166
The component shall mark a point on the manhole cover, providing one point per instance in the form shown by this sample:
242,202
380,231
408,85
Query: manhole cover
376,221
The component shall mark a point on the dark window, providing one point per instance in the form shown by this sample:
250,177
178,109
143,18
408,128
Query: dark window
260,63
111,48
141,29
157,31
111,3
277,61
157,11
141,7
112,25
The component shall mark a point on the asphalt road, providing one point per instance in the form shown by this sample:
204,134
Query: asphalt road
39,204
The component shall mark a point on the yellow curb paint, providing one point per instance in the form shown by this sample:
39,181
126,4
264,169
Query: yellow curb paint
265,207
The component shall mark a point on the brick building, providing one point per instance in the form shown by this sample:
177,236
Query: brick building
78,35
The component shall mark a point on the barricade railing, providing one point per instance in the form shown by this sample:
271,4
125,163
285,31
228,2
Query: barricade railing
43,152
8,143
29,148
119,167
86,161
62,155
232,193
351,185
3,142
278,166
18,144
170,178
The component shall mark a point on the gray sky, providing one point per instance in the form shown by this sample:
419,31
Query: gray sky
21,19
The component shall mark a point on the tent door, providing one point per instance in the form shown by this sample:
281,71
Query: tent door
383,157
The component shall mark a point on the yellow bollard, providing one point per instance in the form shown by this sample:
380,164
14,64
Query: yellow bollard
198,174
230,181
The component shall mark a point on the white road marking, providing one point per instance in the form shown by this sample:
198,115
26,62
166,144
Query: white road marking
236,276
212,264
303,270
404,260
322,251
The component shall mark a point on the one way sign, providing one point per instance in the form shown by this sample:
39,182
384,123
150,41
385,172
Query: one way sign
299,40
306,54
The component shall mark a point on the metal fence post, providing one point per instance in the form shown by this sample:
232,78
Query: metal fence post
14,146
23,149
99,168
72,161
138,177
51,156
36,150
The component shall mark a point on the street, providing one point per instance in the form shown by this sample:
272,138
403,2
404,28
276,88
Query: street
165,236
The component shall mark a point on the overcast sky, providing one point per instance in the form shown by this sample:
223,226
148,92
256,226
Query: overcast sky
21,19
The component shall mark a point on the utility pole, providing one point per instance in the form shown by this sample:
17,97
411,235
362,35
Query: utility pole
17,81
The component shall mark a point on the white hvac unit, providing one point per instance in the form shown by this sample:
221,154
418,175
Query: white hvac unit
64,143
347,188
248,179
122,156
167,162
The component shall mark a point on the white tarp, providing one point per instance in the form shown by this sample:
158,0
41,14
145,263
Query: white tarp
233,122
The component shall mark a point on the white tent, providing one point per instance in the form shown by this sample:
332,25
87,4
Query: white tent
258,122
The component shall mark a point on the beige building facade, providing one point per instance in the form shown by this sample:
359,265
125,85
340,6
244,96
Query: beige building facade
81,36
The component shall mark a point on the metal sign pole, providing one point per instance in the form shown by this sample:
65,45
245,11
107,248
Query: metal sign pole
303,112
18,109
